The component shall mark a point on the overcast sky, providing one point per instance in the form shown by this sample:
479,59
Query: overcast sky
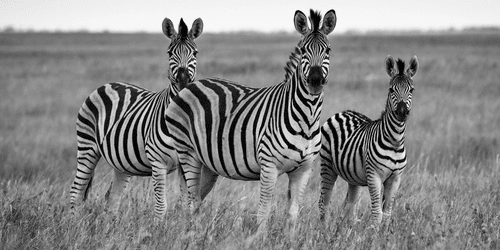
234,15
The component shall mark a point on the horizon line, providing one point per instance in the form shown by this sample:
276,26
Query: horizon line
483,28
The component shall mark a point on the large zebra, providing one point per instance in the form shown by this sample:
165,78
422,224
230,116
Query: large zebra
125,124
369,153
245,133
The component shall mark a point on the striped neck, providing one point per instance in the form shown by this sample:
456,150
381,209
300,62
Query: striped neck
173,92
393,130
303,108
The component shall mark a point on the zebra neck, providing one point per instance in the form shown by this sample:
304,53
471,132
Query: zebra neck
393,130
302,108
166,96
172,91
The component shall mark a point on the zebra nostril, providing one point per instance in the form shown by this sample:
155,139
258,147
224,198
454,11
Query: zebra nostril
402,110
182,76
315,76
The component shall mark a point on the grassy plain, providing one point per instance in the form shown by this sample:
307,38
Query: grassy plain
449,197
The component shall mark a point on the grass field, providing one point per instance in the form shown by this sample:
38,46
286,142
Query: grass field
449,197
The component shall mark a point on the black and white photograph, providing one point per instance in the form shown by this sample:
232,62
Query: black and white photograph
249,125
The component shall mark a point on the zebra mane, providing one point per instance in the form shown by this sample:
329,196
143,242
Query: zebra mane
315,19
401,66
183,29
291,65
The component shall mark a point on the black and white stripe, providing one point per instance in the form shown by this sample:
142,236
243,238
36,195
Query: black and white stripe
223,128
369,153
125,124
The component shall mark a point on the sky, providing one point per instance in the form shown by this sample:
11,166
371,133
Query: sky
253,15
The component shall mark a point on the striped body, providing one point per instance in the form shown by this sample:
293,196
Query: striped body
368,153
126,121
223,128
352,141
237,127
125,125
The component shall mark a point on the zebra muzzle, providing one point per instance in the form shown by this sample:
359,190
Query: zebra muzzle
402,111
315,80
182,77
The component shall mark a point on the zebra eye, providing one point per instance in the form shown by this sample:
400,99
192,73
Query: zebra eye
391,90
303,50
412,89
169,53
195,53
328,50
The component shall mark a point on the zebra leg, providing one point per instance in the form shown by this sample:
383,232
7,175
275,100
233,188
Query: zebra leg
119,183
268,177
162,164
191,171
207,182
87,157
375,188
351,199
296,185
391,186
159,174
328,179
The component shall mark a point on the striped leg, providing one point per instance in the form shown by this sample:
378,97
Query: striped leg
391,186
119,183
87,157
268,177
375,188
296,187
159,174
328,178
191,170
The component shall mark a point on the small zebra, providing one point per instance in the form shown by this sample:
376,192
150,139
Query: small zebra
369,153
124,124
223,128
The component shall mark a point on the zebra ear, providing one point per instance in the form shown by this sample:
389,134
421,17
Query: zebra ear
329,22
389,66
168,28
412,69
196,29
300,21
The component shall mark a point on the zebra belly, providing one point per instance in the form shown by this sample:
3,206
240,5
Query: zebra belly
126,152
352,170
125,161
241,166
236,165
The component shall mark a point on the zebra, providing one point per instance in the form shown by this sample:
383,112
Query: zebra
369,153
220,127
124,124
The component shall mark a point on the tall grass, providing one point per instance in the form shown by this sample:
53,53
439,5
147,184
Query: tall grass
450,192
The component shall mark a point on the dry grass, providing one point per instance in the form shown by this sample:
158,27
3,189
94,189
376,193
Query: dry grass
449,197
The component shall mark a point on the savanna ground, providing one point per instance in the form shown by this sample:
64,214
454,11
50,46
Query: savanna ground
449,197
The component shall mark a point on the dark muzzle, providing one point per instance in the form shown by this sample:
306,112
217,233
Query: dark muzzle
182,77
315,80
402,111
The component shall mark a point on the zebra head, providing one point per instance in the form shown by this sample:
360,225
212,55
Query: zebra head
182,52
401,86
315,48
